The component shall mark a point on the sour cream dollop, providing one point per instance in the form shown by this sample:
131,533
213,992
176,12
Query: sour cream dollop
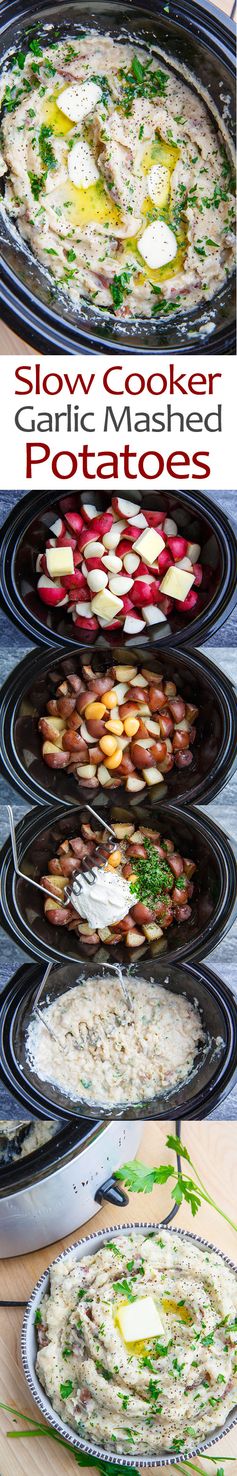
106,900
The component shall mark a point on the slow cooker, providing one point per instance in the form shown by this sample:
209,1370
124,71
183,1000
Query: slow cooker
39,833
215,1069
202,40
89,1246
24,536
61,1186
29,688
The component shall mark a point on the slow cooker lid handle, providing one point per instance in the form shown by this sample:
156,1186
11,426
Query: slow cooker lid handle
111,1191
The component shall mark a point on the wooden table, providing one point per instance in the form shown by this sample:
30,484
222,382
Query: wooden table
214,1151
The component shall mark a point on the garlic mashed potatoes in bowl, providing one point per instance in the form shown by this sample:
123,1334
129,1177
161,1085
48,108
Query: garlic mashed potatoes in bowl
135,1334
116,177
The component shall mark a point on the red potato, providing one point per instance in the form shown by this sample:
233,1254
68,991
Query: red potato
66,542
183,913
142,593
66,706
96,728
74,743
180,741
59,916
176,863
74,581
75,720
126,767
164,560
178,547
166,725
70,865
55,866
95,755
84,698
180,896
127,870
183,759
134,939
100,525
189,867
125,924
198,571
142,914
167,764
52,707
158,752
74,521
177,708
155,519
156,698
189,603
51,593
56,758
135,850
142,731
166,604
93,563
191,712
141,757
86,623
75,682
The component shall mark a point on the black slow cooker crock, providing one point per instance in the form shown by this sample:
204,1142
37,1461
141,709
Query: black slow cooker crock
216,1066
30,686
197,36
24,536
40,833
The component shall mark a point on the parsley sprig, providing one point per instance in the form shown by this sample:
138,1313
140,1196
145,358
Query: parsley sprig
140,1179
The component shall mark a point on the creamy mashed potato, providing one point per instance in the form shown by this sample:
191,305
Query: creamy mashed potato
17,1139
163,1391
116,176
112,1048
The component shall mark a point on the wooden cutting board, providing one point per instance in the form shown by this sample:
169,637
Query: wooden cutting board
213,1147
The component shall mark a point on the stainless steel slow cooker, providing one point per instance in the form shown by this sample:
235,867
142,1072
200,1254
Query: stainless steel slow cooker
197,37
59,1187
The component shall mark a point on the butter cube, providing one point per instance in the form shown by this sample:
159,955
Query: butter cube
177,583
149,545
106,605
59,562
139,1320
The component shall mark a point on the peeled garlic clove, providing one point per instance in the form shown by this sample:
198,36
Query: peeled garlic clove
158,181
82,169
79,100
158,245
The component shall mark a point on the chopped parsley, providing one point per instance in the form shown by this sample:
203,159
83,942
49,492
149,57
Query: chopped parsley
141,81
66,1389
124,1290
38,1317
120,287
37,182
45,147
153,878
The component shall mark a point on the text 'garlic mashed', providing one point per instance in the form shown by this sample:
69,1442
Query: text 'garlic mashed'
163,1393
111,1049
116,176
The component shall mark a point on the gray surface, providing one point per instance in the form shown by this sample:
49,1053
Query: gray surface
222,650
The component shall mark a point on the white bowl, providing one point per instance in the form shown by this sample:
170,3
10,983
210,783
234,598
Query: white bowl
90,1244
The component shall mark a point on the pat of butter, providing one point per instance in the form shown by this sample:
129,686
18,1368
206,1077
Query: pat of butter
106,605
139,1320
149,545
79,100
177,583
82,168
59,561
157,245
